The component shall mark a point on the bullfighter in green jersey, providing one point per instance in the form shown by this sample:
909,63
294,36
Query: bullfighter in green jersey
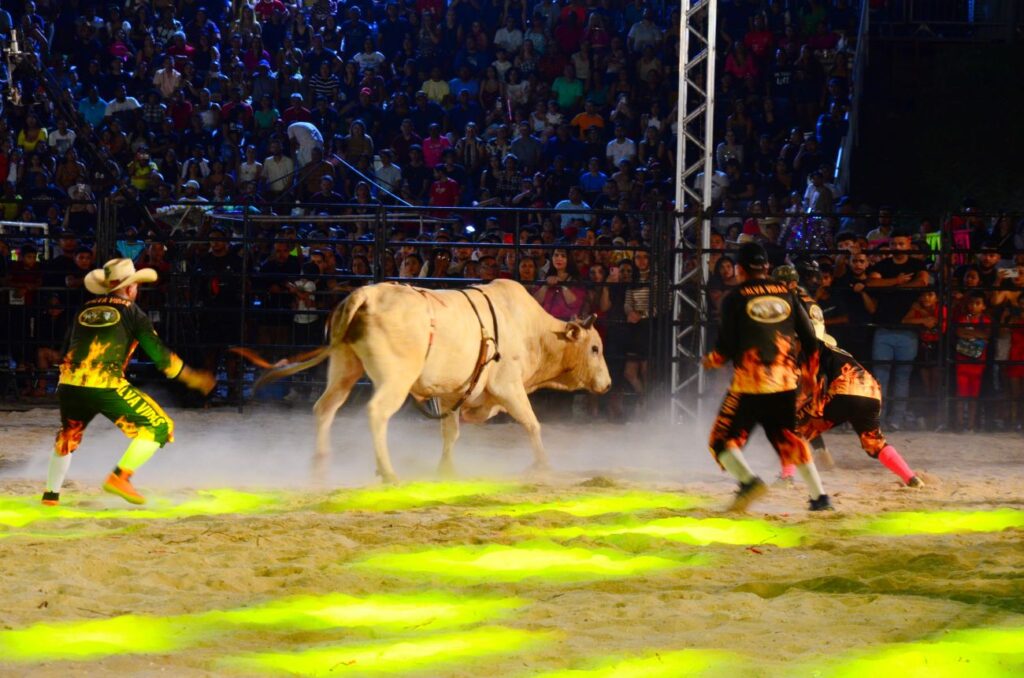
103,336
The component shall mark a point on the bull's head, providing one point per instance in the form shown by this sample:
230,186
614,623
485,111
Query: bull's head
584,356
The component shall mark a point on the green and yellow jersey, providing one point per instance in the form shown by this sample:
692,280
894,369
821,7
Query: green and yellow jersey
103,336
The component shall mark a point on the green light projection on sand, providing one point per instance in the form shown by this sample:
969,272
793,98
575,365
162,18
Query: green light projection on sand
537,560
661,665
132,634
420,654
978,653
599,504
416,495
942,522
698,531
21,511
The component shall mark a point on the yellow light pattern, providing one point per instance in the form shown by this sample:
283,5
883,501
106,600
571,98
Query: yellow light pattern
978,653
134,634
21,511
538,560
698,531
599,504
415,654
942,522
416,495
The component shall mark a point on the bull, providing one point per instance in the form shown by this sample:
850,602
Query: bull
475,352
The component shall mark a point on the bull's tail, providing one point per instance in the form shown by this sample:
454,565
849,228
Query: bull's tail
338,323
318,356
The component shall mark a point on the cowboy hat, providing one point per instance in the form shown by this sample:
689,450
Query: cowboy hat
117,274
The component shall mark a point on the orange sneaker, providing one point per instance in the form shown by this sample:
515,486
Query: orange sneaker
119,483
51,498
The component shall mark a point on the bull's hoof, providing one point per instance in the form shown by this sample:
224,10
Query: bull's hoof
538,471
388,478
446,470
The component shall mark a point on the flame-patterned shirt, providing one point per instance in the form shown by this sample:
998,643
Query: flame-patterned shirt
103,337
763,327
841,374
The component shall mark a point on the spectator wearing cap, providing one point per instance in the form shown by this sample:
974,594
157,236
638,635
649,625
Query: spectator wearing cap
304,137
297,112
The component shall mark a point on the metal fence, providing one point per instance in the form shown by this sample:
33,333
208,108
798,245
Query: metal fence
242,297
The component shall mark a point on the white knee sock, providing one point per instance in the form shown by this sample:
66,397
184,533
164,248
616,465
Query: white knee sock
58,469
733,461
809,472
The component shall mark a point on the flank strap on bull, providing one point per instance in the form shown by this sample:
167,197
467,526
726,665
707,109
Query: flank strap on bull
434,409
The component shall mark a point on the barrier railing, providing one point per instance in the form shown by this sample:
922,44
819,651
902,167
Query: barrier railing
204,303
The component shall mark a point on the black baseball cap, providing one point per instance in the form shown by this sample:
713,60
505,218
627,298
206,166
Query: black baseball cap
752,255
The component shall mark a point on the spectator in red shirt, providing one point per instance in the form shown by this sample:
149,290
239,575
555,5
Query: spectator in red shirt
265,8
296,112
444,192
759,40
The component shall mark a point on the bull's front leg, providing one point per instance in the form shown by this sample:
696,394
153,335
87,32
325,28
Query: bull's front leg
517,403
449,434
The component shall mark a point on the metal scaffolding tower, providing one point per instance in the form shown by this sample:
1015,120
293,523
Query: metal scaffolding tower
694,170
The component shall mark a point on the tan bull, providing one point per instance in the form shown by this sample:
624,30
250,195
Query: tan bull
477,355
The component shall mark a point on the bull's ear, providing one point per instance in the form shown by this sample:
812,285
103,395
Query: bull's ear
573,331
588,322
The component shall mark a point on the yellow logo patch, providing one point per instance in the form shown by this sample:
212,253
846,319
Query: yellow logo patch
99,316
768,310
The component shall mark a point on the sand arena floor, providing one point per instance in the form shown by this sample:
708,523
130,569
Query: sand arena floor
620,564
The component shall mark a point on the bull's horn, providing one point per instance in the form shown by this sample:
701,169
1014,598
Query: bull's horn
588,322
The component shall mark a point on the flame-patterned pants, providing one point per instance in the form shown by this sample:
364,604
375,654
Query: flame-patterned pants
775,412
131,410
864,415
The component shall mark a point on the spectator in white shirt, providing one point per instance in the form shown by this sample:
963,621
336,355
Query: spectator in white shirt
620,148
121,103
644,33
389,174
167,79
509,37
278,170
62,138
305,137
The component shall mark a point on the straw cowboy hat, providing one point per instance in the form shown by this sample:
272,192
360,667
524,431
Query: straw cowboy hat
117,274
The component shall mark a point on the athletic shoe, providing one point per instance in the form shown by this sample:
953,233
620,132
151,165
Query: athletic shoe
51,498
915,482
119,483
747,493
822,503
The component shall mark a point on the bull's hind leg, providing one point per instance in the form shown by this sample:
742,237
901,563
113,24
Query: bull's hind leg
450,433
517,404
388,397
342,374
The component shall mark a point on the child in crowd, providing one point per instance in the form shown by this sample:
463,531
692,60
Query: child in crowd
1012,322
930,318
973,328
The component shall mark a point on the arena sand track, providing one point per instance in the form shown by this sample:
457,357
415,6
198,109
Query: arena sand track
620,564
